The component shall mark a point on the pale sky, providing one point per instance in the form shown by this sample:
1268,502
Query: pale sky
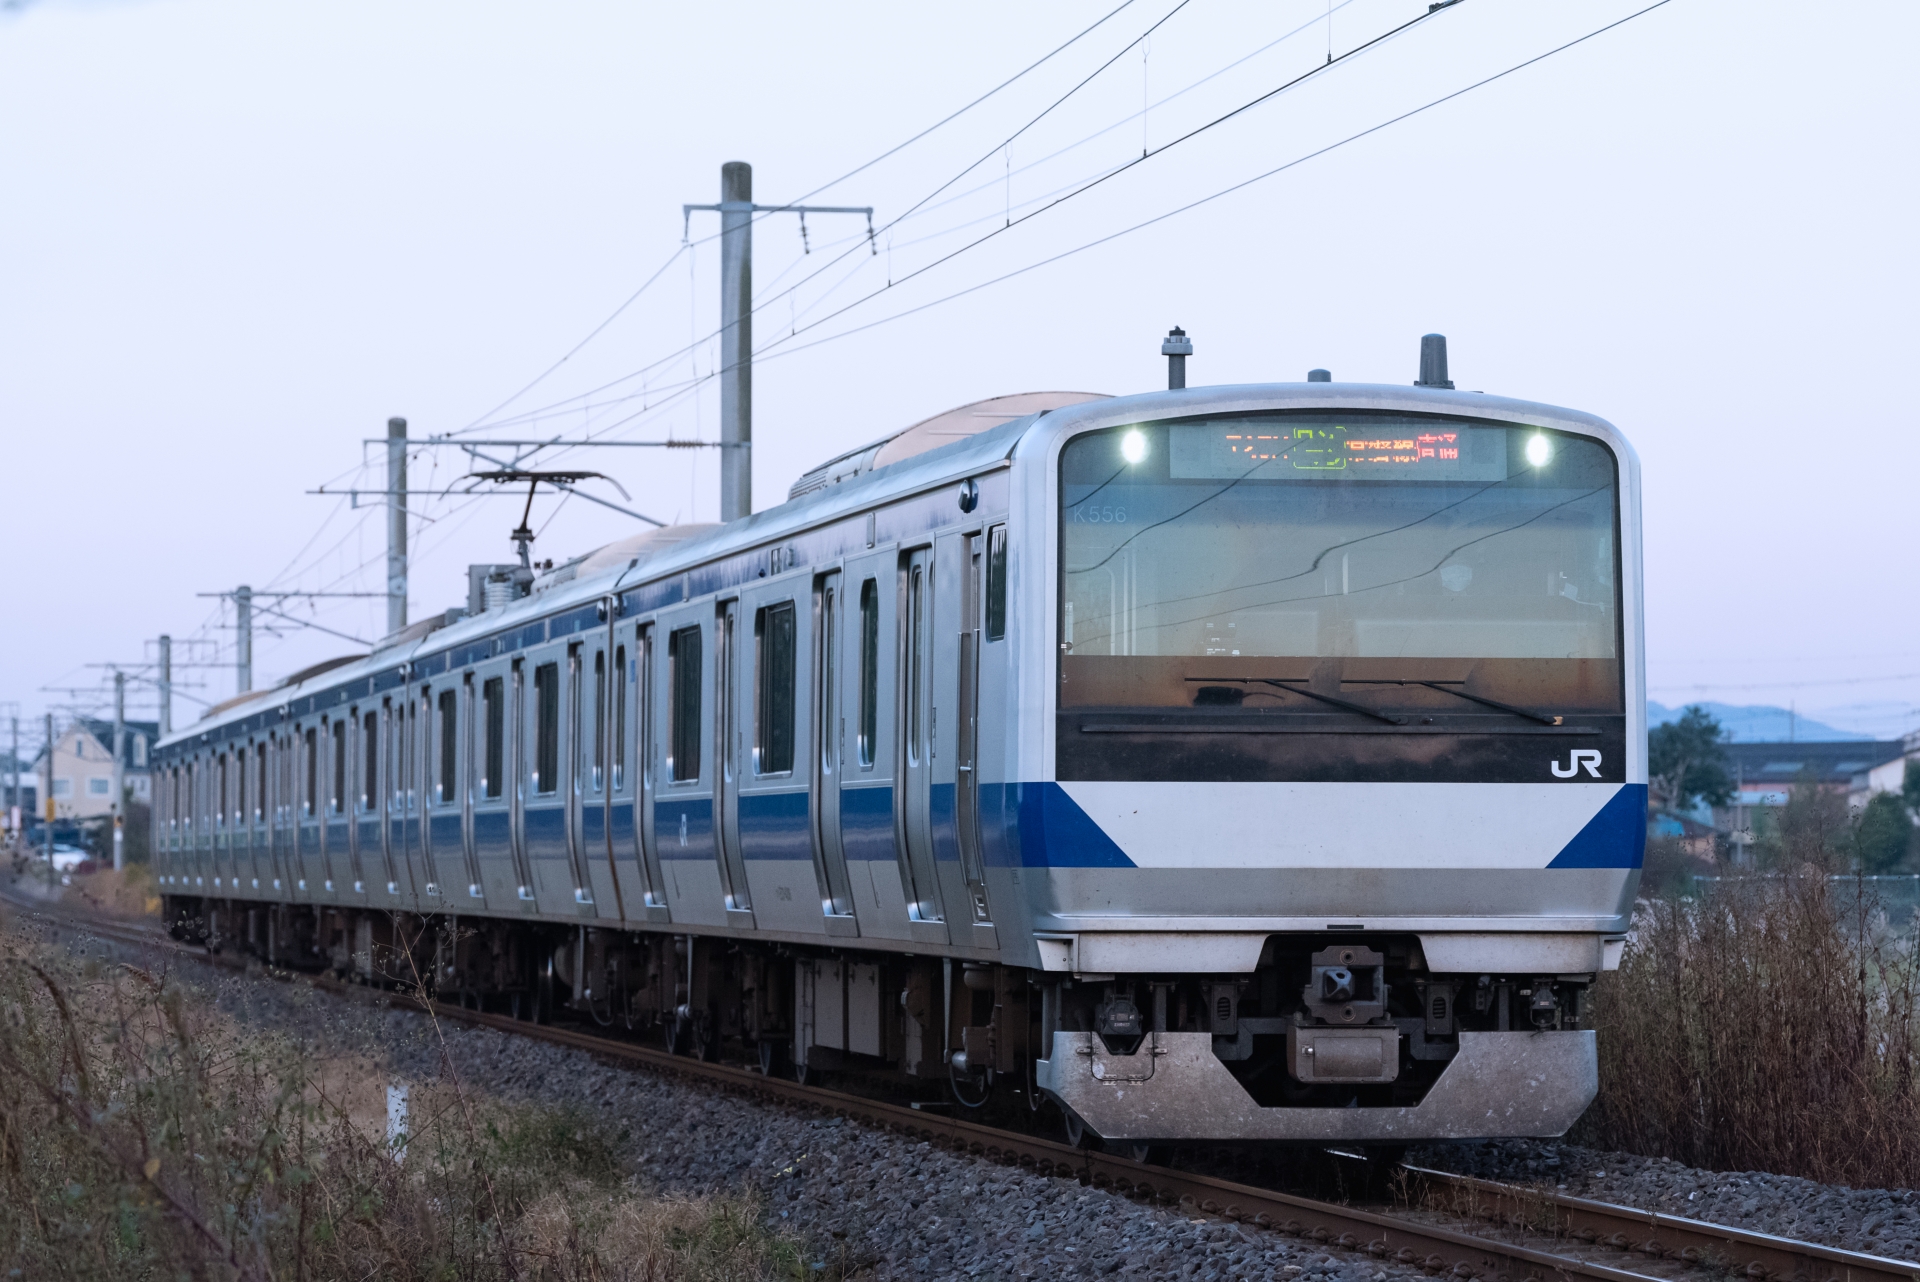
235,238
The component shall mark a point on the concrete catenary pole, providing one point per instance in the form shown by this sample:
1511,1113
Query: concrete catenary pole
166,686
736,340
119,768
13,798
396,524
242,639
47,804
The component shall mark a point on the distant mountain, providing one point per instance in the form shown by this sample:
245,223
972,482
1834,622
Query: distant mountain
1757,724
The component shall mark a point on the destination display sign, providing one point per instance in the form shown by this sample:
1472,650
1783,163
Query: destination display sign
1370,447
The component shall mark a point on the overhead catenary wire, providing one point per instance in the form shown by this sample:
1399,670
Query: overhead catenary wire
762,304
834,182
1190,205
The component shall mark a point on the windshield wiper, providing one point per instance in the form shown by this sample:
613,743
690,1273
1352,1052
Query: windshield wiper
1447,688
1282,683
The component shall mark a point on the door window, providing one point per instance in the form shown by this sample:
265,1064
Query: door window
996,583
773,629
449,746
546,735
869,670
683,731
493,693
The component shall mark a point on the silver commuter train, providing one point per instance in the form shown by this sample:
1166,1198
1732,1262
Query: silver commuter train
1233,763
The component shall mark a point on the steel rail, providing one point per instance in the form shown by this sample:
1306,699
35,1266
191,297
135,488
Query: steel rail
1652,1233
1389,1234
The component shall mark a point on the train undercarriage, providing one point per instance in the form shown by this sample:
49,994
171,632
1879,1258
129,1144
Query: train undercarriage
1327,1040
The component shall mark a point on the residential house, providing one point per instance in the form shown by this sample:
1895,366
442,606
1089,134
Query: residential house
83,767
1886,776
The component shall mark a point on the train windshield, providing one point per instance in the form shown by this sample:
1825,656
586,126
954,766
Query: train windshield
1385,563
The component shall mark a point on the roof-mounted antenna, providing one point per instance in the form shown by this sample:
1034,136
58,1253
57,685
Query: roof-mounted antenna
1176,349
1433,362
1319,376
522,535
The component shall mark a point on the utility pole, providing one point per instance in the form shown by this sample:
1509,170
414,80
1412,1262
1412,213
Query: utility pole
166,686
48,806
397,524
736,340
242,639
736,210
119,768
13,798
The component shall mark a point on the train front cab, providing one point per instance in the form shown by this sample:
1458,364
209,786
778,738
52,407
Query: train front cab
1345,797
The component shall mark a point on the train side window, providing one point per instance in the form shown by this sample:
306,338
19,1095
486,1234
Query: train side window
546,735
370,760
619,717
599,777
449,746
494,694
773,631
220,815
313,772
260,793
683,680
337,801
240,785
996,583
869,670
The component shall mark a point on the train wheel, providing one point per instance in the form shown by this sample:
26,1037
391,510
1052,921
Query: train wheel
1077,1132
773,1058
679,1037
969,1092
806,1075
1153,1154
706,1043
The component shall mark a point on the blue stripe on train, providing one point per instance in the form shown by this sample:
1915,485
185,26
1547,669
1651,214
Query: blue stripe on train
684,828
1055,832
1616,837
773,825
866,822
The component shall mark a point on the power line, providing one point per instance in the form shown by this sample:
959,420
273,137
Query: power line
1161,150
860,168
760,306
1191,205
964,110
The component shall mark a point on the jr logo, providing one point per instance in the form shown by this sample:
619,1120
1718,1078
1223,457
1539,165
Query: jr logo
1588,757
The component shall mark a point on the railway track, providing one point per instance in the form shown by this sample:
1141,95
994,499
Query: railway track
1451,1225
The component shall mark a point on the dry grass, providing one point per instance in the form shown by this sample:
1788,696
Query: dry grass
127,894
144,1135
1765,1022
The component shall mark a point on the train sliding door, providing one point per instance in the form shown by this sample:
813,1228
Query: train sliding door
830,616
966,785
639,681
729,658
914,807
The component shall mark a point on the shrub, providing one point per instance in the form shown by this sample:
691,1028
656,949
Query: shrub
144,1136
1768,1023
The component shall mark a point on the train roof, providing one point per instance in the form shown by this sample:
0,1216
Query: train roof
840,492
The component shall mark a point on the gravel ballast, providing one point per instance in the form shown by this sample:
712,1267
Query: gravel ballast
883,1205
1882,1222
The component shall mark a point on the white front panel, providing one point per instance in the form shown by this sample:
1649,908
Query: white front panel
1341,825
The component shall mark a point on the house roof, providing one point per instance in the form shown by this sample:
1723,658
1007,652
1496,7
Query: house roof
103,731
1830,762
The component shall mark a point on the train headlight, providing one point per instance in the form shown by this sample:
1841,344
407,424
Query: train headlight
1539,450
1133,446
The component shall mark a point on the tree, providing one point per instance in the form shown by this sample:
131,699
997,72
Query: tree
1687,759
1883,834
1910,785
